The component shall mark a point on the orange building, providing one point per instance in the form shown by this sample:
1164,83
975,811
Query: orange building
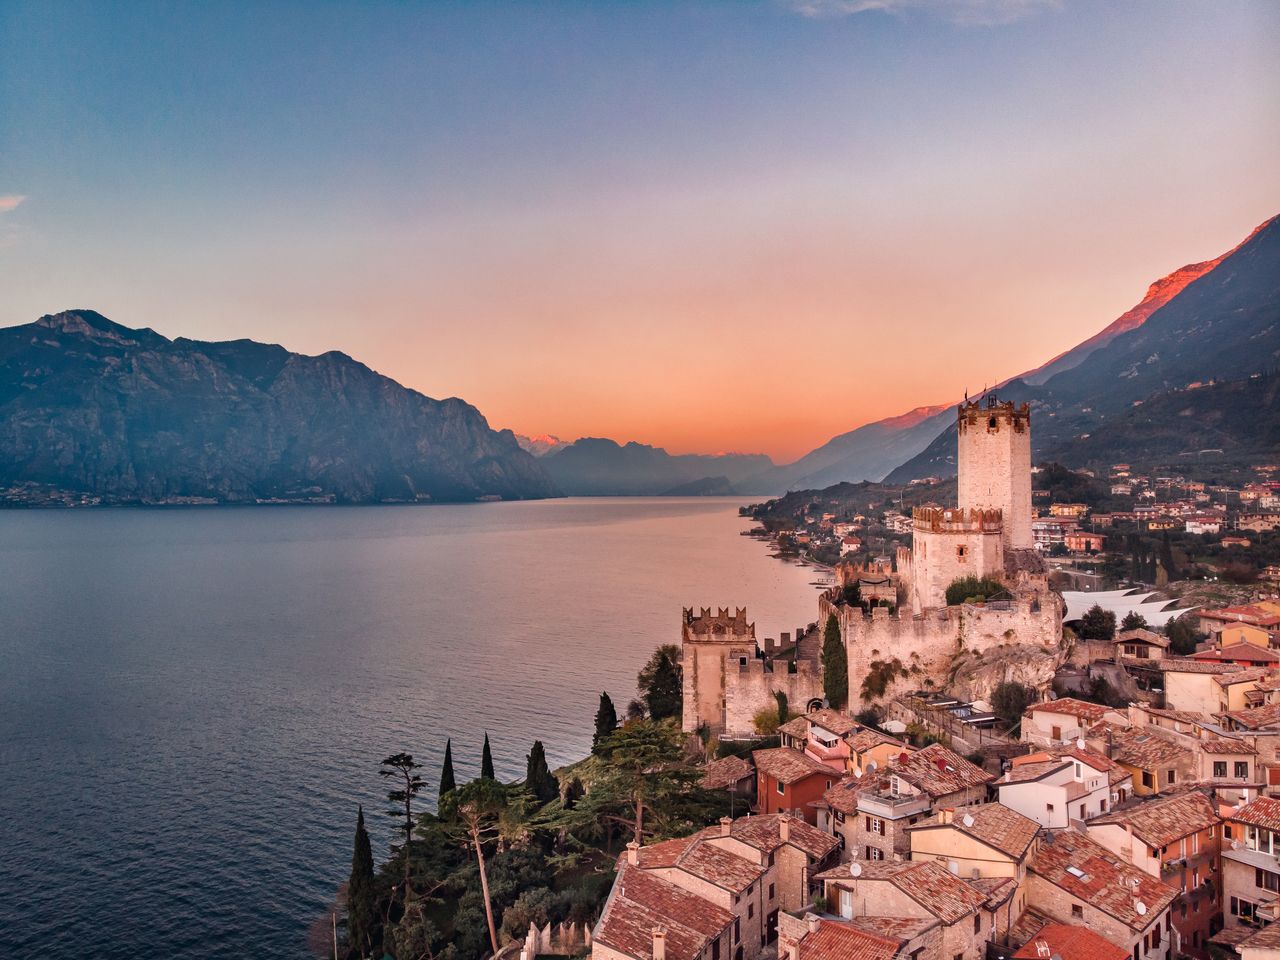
789,781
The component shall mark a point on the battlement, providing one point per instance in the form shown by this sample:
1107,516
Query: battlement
956,520
993,414
720,626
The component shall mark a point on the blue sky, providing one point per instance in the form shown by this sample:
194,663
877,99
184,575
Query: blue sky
626,218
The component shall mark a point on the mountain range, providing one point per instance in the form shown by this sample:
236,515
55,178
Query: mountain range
94,409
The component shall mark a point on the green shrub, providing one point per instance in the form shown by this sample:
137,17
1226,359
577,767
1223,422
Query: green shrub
973,590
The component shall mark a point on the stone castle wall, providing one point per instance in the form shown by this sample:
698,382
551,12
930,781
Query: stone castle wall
751,686
949,544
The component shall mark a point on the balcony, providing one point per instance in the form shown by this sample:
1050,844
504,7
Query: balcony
892,806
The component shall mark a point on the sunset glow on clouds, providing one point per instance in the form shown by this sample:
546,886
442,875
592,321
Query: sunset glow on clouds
703,226
9,202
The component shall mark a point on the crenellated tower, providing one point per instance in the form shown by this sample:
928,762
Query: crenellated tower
994,465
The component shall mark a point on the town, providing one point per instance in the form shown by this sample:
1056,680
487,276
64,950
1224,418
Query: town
1018,726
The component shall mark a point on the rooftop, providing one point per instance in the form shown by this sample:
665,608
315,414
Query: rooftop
1159,823
1262,812
1070,706
938,771
725,772
833,721
705,861
1089,872
1257,718
765,834
1069,943
1149,751
944,895
641,903
1142,636
789,766
1240,651
843,796
841,940
994,824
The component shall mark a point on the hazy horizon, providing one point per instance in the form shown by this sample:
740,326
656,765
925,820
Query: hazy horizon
644,222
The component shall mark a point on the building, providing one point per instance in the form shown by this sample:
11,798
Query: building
790,781
1068,942
647,918
1159,761
1250,868
1141,644
1057,721
734,775
1055,790
822,734
1075,880
986,841
1176,840
819,938
1077,541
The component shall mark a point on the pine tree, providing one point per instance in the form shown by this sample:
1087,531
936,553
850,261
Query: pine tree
573,793
362,914
538,778
486,761
447,781
835,665
664,697
606,722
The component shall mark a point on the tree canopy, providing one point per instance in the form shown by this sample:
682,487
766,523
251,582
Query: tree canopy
1097,624
835,665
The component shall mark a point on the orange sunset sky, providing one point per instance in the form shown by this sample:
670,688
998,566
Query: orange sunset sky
744,226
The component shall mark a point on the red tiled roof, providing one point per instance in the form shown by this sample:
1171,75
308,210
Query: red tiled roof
710,863
1220,745
1069,706
1149,750
725,772
906,928
868,738
938,771
1141,636
994,824
1258,718
843,796
1262,812
837,940
1069,943
641,903
765,834
1240,651
789,766
833,721
944,895
1105,882
1160,822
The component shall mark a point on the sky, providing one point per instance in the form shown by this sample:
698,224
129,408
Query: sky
707,226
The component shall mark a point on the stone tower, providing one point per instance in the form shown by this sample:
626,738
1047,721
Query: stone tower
994,465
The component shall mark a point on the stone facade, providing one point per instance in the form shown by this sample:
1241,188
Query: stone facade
993,465
949,544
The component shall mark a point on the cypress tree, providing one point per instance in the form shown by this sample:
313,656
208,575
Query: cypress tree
486,761
362,914
573,793
538,778
835,665
447,781
606,722
665,698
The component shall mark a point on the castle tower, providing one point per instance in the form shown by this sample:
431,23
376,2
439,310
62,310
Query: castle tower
994,465
709,641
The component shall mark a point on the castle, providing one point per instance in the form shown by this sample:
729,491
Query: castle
919,641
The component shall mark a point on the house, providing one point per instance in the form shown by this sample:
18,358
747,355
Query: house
1054,790
1243,654
1232,634
1077,541
1075,880
871,812
956,913
1259,615
1231,541
849,545
792,852
1176,840
1192,685
987,840
1250,869
870,750
1141,644
1068,509
1057,721
647,918
820,938
790,781
1159,761
734,775
1068,942
1229,765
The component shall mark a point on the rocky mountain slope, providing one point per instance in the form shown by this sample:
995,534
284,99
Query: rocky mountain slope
1222,326
95,408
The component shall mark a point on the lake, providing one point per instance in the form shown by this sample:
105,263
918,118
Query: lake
194,701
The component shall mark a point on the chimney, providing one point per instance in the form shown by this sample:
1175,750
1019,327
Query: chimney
633,853
784,828
659,944
726,826
812,920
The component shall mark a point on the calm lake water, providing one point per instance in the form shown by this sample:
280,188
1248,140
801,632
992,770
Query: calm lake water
193,702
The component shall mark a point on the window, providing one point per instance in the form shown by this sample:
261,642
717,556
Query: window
1082,811
1077,912
962,553
737,930
1147,779
1266,880
782,790
1155,936
1048,808
874,853
1169,776
1055,732
715,949
977,923
751,910
1242,769
771,888
1219,768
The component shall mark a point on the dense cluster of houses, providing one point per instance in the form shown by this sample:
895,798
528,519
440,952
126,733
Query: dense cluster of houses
1148,832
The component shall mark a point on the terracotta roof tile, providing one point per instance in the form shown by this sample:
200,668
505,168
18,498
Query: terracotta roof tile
907,928
1268,938
843,796
725,772
1149,750
1188,665
765,834
1240,651
838,940
1261,812
789,766
1219,745
1069,706
641,903
944,895
833,721
994,824
797,727
1069,943
938,771
1026,772
1142,636
1259,718
1089,872
996,889
1159,823
868,738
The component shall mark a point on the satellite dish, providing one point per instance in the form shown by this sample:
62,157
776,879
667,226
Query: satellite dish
968,820
1080,743
1141,908
857,774
855,869
871,765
